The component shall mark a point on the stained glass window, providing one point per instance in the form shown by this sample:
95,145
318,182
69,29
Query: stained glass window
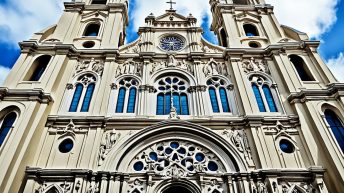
259,98
269,98
132,100
87,99
217,92
120,100
40,65
127,95
76,98
213,100
6,126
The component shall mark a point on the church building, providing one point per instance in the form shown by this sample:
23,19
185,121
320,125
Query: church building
83,112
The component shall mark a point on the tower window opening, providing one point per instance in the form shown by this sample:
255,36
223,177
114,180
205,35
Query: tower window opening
39,66
99,2
92,30
301,68
223,38
250,30
337,127
6,126
218,93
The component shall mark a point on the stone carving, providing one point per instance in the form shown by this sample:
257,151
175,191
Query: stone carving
70,127
129,67
61,187
108,141
92,65
214,186
172,63
261,188
93,188
239,139
255,65
297,188
176,159
87,79
215,68
136,186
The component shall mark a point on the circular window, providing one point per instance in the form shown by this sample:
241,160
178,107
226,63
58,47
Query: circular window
66,146
88,44
286,146
138,166
254,45
172,43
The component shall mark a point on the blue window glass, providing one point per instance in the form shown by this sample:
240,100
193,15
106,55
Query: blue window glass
76,98
120,100
213,100
258,98
132,100
336,126
88,97
224,100
160,104
167,103
184,103
41,64
92,30
176,102
6,126
269,99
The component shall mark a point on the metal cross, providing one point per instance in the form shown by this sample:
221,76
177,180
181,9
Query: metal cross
171,3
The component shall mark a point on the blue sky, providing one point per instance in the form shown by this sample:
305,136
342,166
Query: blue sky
321,19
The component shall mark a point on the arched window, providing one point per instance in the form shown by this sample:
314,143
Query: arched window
265,94
99,2
240,2
223,38
38,68
217,92
250,30
172,90
84,89
127,95
336,126
92,30
301,68
6,126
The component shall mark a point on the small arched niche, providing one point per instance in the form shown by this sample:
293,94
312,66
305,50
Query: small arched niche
92,30
250,30
38,68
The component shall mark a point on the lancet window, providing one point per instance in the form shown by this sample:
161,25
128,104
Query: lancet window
127,95
6,126
39,66
92,30
172,90
83,93
336,126
250,30
265,94
218,95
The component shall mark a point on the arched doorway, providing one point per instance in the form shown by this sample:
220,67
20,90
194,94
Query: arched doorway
177,189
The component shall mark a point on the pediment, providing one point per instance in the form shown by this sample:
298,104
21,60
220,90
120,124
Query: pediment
171,16
93,14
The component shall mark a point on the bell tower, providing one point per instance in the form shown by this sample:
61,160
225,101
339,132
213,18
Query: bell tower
245,23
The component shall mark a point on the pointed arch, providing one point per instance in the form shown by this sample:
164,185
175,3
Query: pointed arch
53,189
127,95
220,94
223,38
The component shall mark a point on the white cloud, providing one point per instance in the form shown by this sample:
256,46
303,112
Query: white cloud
337,66
21,18
311,16
198,8
3,74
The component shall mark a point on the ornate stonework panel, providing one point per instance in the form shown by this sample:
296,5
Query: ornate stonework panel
255,65
91,65
129,67
215,68
176,159
108,142
172,62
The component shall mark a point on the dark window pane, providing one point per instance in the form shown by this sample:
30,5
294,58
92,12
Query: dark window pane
167,103
76,98
7,126
336,126
258,98
88,97
92,30
120,100
224,100
176,103
213,100
40,65
160,105
269,99
185,106
132,100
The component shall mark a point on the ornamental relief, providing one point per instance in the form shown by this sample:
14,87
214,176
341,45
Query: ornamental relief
108,142
215,68
136,186
172,62
65,187
92,65
176,159
130,67
239,140
255,65
302,187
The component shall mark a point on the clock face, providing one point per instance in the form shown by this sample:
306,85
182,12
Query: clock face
171,43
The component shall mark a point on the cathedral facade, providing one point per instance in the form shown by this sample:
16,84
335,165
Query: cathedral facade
83,112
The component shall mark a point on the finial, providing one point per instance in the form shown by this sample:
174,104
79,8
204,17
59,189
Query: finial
171,4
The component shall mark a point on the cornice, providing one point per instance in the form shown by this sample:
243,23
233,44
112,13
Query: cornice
333,91
38,95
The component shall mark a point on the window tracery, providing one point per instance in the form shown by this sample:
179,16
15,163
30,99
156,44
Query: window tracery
218,95
177,157
172,90
84,88
127,95
265,94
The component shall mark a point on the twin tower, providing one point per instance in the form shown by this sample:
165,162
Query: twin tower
83,112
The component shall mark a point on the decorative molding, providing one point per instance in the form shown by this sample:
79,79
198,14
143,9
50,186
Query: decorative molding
38,95
130,67
92,65
108,142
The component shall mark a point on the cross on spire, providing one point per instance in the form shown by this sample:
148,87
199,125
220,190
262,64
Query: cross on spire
171,4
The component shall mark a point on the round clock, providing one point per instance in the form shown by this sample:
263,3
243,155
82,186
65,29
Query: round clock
172,43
